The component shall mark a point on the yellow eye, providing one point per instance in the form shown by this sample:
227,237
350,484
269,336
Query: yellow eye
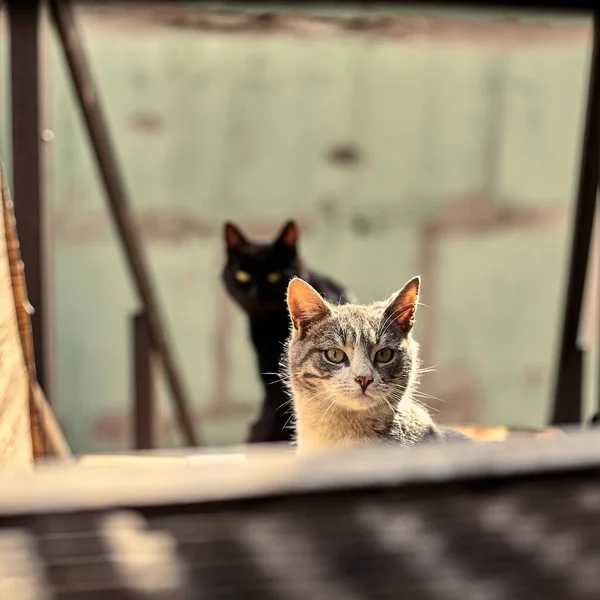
242,276
335,355
384,355
273,277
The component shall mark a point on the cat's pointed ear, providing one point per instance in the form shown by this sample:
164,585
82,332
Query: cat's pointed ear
403,305
305,304
233,236
288,236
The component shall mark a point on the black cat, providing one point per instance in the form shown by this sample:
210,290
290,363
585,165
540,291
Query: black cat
256,276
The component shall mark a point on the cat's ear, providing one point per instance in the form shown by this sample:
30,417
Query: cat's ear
305,304
233,236
288,236
403,305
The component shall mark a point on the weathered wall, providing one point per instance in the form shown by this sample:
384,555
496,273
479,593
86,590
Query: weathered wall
463,145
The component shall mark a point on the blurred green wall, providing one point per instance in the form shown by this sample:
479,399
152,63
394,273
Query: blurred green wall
466,157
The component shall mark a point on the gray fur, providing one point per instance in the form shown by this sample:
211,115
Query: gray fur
330,407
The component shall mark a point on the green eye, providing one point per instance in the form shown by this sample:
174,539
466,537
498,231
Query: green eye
242,276
273,277
335,355
384,355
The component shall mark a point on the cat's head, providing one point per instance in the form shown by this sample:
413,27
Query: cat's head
256,275
358,357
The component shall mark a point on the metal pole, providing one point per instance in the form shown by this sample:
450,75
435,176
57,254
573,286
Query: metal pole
89,104
568,390
145,413
31,206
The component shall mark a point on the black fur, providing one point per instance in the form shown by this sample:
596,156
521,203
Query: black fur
264,304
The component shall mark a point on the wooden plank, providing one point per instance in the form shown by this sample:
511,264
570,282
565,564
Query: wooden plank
16,449
45,434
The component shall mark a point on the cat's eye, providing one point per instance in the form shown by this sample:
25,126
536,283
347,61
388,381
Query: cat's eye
242,276
273,277
335,355
384,355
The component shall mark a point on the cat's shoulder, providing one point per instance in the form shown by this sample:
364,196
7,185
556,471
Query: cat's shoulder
417,431
451,436
329,288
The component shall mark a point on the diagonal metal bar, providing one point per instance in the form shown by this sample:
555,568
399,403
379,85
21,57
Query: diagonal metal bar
568,390
89,103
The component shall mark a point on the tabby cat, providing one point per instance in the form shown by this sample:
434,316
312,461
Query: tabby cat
352,371
256,276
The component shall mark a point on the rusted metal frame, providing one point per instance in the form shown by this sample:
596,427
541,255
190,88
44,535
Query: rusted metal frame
145,422
89,103
29,185
567,408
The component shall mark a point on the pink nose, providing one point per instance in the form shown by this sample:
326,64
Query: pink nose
364,381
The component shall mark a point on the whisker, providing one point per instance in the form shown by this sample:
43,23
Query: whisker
392,409
418,403
427,369
276,381
415,395
289,420
430,396
390,319
280,375
322,420
286,404
415,392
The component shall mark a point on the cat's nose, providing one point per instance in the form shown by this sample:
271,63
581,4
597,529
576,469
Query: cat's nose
364,381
